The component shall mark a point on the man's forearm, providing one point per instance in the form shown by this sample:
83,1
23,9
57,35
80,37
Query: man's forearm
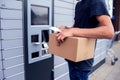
99,32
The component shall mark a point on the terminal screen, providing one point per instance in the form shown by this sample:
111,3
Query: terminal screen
39,15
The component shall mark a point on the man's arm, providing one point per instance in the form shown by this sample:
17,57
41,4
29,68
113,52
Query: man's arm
105,30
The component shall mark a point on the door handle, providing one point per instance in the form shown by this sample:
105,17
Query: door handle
36,43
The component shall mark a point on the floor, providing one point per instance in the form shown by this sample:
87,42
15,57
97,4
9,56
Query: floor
108,71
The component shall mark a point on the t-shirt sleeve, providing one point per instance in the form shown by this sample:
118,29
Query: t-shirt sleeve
98,8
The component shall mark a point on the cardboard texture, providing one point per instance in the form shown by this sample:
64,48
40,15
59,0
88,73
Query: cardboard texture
73,48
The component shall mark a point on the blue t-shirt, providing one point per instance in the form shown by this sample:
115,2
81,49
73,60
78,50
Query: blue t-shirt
86,12
85,17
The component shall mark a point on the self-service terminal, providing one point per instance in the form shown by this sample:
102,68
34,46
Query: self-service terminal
37,21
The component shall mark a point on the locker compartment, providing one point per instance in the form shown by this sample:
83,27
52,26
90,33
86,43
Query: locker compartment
64,23
64,77
1,75
60,10
19,76
0,65
13,14
62,18
70,1
0,50
13,62
0,3
14,4
97,59
41,2
63,4
12,52
0,58
11,34
0,41
97,52
58,60
98,44
103,55
11,24
60,70
13,71
6,44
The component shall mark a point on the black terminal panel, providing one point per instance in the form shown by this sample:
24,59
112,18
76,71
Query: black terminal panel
34,38
39,15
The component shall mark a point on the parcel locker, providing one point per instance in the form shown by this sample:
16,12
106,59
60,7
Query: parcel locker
11,39
37,21
13,14
1,65
12,4
17,24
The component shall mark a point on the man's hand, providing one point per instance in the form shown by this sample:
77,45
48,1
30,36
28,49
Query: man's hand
64,34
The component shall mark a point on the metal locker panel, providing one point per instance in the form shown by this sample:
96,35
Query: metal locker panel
65,76
0,65
13,61
14,4
97,59
1,75
63,4
103,49
64,23
60,10
60,70
8,24
70,1
11,34
67,18
37,65
7,44
0,48
97,52
1,69
12,52
0,3
58,60
13,71
19,76
98,45
13,14
62,18
103,55
41,2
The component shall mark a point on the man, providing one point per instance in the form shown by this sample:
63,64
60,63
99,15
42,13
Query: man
91,21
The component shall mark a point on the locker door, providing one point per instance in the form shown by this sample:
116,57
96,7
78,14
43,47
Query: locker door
1,65
12,39
38,19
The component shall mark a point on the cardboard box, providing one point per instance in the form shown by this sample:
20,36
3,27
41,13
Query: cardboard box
73,48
